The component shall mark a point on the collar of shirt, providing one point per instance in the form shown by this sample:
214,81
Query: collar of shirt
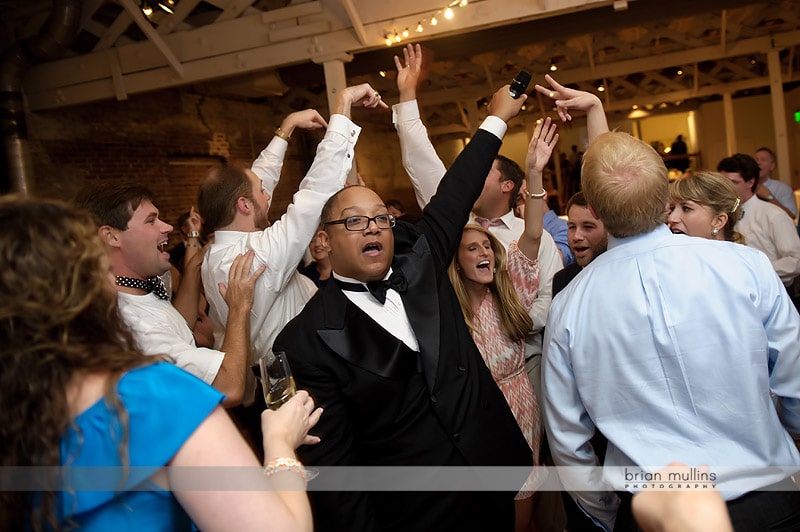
660,230
391,315
351,280
507,219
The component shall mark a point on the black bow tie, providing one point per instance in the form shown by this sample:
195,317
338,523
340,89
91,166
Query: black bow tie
152,284
396,281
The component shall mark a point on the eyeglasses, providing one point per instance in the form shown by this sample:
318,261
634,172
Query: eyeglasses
359,223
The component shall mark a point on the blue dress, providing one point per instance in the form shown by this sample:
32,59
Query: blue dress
165,405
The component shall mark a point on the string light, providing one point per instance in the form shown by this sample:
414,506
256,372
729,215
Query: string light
392,37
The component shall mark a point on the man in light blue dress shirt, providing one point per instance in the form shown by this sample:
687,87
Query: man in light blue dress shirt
670,346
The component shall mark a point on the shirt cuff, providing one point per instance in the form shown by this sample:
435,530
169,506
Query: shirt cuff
495,125
277,146
405,111
343,126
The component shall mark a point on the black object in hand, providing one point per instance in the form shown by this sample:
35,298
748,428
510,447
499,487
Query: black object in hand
519,84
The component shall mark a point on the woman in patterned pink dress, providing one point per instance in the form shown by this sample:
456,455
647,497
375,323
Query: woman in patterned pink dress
497,292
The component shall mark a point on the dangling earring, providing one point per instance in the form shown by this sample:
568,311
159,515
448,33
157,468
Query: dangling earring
714,231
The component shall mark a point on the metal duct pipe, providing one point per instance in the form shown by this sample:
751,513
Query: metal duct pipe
56,36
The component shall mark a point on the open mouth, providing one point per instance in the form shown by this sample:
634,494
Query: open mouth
579,249
162,247
483,265
372,248
676,231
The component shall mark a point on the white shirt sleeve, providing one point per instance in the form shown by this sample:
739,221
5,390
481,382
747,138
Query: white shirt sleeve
159,329
419,156
787,247
269,164
281,246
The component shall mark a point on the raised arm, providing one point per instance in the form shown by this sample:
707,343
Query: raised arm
188,292
238,295
419,157
539,152
358,96
567,99
444,218
270,161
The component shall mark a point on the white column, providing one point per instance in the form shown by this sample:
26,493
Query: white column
779,117
336,81
730,125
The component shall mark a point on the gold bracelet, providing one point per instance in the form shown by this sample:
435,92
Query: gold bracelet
540,195
282,134
285,464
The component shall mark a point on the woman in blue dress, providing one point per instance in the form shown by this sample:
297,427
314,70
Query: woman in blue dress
77,395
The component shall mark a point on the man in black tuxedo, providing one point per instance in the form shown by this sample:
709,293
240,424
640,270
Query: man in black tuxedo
401,381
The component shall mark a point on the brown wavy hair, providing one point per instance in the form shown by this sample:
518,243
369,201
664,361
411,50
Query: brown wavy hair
58,321
514,319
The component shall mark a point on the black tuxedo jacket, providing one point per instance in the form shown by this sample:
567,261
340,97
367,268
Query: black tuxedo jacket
386,405
563,277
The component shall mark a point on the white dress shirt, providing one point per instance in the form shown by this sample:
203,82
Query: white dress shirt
281,292
766,227
159,329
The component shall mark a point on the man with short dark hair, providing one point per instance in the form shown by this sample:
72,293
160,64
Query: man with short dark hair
587,237
383,348
135,238
763,225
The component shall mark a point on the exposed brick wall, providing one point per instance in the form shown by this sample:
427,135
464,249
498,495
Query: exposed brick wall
167,141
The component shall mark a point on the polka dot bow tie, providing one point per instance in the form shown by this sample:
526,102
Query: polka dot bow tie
152,284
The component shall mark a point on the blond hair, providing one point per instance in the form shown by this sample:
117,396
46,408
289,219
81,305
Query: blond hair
625,182
715,191
514,319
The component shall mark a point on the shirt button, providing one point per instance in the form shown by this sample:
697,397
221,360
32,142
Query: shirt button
457,437
486,404
462,368
433,399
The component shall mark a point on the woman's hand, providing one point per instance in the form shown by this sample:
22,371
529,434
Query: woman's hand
541,146
291,422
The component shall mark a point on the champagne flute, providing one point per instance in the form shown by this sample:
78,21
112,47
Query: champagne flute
276,379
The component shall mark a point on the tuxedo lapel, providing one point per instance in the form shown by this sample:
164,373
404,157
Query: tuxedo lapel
357,338
422,305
